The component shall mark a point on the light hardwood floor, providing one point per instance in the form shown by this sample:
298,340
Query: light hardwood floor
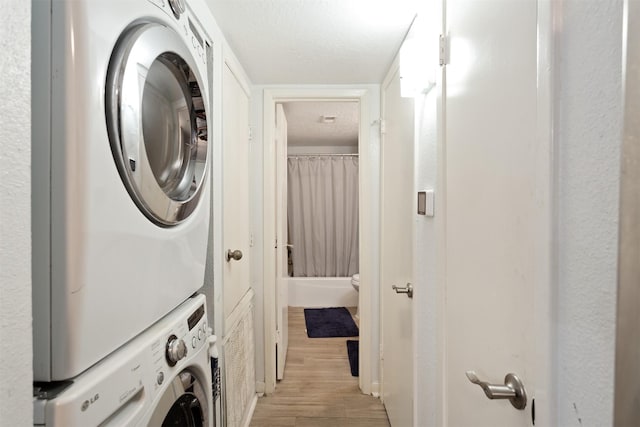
318,389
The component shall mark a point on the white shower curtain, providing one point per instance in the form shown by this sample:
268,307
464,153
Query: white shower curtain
323,215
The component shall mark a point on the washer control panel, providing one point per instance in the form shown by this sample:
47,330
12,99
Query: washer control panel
190,28
183,339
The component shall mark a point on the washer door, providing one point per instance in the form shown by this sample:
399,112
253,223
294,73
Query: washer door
183,404
157,122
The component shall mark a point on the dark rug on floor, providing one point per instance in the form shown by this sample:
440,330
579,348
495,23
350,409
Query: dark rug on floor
329,322
353,349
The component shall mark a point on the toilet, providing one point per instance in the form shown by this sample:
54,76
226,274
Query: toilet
355,282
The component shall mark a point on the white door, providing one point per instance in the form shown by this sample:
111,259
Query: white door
282,288
497,202
236,232
396,253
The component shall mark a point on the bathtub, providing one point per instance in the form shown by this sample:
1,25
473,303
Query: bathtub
322,292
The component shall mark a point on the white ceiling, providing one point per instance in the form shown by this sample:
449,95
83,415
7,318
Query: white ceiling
314,41
305,125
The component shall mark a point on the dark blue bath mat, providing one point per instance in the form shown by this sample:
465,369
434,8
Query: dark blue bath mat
329,323
353,349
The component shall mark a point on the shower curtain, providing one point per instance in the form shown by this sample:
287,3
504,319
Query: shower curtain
323,215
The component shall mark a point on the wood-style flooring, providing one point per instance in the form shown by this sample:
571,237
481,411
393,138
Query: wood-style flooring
318,389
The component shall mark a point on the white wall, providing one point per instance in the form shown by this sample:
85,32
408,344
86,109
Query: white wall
428,291
428,261
15,215
588,125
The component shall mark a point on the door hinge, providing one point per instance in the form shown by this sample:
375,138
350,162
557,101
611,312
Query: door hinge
383,126
251,240
250,134
443,50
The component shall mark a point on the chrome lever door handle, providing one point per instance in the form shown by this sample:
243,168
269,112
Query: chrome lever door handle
404,290
237,255
513,389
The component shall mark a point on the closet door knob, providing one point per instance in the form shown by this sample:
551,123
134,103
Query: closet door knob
237,255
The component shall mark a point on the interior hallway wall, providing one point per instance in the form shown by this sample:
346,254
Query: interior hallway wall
15,215
428,262
428,266
588,132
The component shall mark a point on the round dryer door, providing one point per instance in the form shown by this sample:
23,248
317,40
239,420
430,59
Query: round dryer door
183,404
157,121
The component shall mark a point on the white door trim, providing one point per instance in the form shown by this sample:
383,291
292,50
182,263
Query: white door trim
395,399
368,252
546,253
388,79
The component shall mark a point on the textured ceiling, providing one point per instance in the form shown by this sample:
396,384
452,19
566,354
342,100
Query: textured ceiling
314,41
305,125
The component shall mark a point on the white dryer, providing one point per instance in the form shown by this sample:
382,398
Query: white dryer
161,378
121,158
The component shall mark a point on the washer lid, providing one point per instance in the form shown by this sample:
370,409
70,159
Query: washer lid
157,122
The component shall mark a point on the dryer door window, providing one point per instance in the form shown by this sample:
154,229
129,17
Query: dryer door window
157,121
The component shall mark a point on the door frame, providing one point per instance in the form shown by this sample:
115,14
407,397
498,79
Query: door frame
393,71
368,222
543,389
627,372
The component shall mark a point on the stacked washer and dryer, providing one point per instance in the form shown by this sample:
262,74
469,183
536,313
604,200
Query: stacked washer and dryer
121,210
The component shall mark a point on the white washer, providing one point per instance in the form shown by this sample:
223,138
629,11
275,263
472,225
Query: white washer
121,192
162,377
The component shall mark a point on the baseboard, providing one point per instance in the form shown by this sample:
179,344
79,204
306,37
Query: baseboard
375,389
247,421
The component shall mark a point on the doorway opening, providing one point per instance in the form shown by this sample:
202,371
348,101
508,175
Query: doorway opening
295,274
322,217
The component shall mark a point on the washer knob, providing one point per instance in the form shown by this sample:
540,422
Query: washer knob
176,350
177,7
